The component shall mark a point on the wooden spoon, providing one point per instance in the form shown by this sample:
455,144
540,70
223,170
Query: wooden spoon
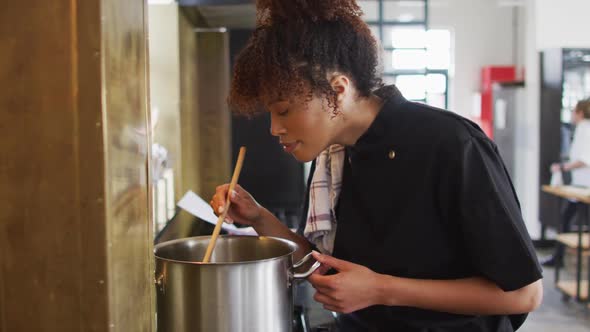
222,216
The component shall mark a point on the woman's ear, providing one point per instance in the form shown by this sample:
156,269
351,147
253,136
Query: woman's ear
341,85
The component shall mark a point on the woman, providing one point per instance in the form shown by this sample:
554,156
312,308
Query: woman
411,205
579,166
579,163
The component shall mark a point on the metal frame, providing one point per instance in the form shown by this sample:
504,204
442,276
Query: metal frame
583,213
381,23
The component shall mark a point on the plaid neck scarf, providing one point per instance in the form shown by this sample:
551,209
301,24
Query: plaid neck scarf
320,227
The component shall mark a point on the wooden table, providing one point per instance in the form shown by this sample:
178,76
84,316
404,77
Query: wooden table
569,192
579,241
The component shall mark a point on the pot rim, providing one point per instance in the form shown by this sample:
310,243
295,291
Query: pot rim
290,243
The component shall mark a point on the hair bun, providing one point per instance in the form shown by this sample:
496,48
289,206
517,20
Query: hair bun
271,11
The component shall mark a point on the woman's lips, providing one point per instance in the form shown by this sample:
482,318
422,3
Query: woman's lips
290,147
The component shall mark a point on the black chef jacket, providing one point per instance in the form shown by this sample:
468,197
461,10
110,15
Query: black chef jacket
426,195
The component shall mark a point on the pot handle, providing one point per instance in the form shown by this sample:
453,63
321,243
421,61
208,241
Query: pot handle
307,273
159,282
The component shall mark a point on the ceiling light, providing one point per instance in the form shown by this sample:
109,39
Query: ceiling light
510,3
160,2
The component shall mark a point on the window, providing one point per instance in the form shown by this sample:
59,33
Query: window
415,58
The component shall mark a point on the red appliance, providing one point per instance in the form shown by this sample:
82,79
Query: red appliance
489,76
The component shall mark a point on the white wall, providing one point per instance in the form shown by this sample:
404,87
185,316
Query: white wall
527,172
488,34
563,23
483,35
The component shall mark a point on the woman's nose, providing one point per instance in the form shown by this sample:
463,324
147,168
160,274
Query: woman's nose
276,129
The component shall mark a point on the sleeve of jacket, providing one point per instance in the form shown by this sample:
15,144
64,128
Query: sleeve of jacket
491,223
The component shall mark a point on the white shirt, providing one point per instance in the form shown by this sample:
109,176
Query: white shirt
580,151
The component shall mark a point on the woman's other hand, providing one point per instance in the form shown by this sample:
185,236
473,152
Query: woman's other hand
555,167
354,287
243,209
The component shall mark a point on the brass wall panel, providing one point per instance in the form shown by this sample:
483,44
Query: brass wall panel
194,17
173,83
90,167
214,117
75,246
189,106
165,74
125,113
189,130
52,277
204,119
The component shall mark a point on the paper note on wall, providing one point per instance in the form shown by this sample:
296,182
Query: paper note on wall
196,206
500,114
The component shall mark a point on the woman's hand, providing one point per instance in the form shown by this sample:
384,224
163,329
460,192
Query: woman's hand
555,167
243,209
354,287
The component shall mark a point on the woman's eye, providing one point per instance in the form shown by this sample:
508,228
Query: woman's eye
283,113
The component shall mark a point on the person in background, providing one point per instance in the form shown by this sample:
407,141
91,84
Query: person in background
410,205
579,166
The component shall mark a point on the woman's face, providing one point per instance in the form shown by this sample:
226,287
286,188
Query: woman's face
304,129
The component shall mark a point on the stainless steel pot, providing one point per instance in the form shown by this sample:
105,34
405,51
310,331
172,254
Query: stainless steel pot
246,286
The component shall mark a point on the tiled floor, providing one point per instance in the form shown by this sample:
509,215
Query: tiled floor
555,315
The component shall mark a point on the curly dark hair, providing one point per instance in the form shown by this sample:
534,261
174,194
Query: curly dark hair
296,44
